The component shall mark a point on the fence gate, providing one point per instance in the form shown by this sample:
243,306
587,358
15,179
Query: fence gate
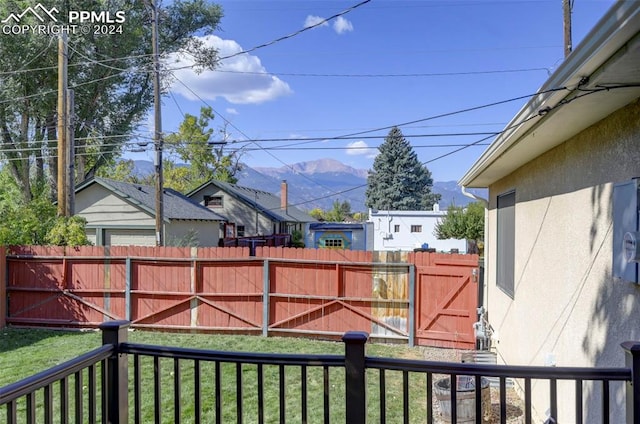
446,300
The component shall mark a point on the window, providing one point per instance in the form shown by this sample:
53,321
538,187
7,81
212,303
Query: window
333,243
240,230
396,228
416,228
506,246
213,201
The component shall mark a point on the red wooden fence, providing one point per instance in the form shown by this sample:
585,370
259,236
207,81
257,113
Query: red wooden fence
3,287
425,298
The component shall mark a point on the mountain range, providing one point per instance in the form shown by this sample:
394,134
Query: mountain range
318,183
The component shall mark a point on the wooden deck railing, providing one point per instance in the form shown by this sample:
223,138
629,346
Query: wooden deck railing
108,386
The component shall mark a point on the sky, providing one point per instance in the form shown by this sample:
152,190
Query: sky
434,68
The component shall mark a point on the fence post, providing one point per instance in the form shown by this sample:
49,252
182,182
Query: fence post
411,313
356,406
127,289
632,361
115,332
3,287
266,287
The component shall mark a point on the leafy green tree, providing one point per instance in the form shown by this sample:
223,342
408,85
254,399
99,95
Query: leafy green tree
27,224
68,231
360,216
195,144
120,170
339,212
464,224
176,177
297,239
34,222
317,214
398,181
110,75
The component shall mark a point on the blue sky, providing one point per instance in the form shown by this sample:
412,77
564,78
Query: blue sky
385,63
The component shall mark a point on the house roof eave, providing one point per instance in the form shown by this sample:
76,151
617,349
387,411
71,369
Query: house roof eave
615,36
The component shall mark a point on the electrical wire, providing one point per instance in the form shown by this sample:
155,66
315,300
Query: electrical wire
150,140
411,75
249,140
277,40
442,115
523,121
413,146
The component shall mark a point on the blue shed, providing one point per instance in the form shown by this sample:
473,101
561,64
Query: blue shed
339,235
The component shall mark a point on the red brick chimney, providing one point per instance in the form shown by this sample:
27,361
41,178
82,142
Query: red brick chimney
284,196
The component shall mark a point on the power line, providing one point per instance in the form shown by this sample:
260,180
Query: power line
411,75
523,121
149,139
413,146
457,112
293,34
249,140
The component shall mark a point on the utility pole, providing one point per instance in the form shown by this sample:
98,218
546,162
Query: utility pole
566,9
70,174
158,127
62,124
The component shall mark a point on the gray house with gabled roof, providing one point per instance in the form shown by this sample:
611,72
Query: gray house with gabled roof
251,212
120,213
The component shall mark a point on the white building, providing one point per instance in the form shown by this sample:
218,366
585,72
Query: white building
408,230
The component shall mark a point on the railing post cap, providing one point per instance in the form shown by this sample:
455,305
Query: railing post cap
114,325
355,337
633,347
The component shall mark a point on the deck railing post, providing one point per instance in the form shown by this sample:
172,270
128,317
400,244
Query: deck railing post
354,362
114,333
632,361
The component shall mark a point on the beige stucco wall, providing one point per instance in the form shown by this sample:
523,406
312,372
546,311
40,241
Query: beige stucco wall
567,308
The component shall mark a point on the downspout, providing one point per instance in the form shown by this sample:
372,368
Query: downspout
482,299
477,198
485,203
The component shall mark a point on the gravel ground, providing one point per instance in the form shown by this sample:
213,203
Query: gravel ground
515,406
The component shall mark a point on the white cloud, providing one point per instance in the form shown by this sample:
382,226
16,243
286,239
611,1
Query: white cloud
314,20
342,25
294,135
244,82
361,148
232,111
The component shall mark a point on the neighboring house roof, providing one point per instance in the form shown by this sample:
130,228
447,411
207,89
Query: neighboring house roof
335,226
436,212
175,205
602,75
264,201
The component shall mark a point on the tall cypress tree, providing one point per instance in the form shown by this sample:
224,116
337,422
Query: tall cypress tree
398,181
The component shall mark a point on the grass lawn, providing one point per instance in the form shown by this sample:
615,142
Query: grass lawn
26,352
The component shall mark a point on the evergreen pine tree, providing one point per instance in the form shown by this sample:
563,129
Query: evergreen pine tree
398,181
